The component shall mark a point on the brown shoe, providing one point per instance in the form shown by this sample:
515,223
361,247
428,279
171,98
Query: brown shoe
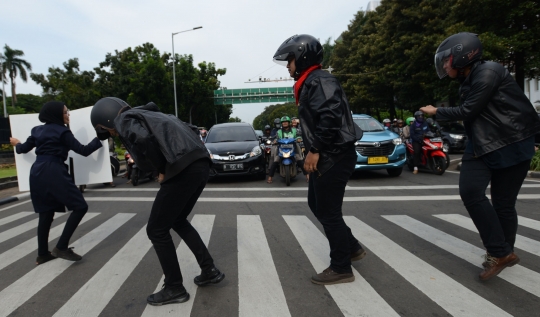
415,172
358,255
496,265
329,277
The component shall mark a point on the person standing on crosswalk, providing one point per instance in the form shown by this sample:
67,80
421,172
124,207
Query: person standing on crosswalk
500,123
329,133
162,142
51,187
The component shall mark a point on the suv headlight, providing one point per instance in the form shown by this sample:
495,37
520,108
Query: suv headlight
457,136
397,141
255,151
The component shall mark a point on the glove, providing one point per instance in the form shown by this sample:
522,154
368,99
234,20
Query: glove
103,135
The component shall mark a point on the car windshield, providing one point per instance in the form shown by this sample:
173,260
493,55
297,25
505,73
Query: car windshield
453,127
231,134
369,124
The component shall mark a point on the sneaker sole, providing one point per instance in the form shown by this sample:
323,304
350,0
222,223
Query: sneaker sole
215,280
516,261
67,258
359,257
179,300
344,280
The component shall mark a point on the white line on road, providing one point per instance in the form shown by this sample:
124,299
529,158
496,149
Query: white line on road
259,289
27,286
190,268
16,216
529,223
18,252
346,296
520,276
452,296
522,242
24,202
13,232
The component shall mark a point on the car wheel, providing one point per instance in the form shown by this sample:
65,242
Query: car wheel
394,172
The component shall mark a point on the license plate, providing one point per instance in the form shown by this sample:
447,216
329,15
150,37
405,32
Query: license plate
233,167
377,160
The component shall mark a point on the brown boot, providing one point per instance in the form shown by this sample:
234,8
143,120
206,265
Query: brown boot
496,265
358,255
329,277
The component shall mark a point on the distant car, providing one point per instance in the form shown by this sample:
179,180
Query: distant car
453,135
235,150
379,147
259,133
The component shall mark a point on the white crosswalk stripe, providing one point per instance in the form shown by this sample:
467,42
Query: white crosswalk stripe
529,223
13,232
16,216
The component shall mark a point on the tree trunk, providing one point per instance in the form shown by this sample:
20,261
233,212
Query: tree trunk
518,68
13,96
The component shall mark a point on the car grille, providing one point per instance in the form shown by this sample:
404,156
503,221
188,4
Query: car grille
369,148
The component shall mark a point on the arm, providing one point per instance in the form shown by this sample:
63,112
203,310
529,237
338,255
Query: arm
325,102
144,148
69,140
25,147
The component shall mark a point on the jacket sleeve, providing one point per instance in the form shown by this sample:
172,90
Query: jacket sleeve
325,104
70,141
26,146
484,84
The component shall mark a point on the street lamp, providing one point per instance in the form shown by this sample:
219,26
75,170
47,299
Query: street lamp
174,70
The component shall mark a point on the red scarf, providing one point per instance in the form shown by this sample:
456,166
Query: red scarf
301,80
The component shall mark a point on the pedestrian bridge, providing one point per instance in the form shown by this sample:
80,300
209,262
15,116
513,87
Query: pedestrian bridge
253,95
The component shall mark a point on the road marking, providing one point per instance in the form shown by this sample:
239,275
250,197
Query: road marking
189,266
518,275
18,252
259,289
458,159
27,286
529,223
455,298
16,216
347,295
24,202
27,226
523,243
304,199
92,298
530,180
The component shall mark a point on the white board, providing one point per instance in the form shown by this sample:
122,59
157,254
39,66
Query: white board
93,169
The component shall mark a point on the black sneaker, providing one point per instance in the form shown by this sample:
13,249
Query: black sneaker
168,295
44,258
212,275
358,255
67,254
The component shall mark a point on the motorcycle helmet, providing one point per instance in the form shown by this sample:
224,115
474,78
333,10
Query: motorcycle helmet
267,127
399,121
285,118
277,123
419,116
306,50
104,112
386,120
409,120
461,49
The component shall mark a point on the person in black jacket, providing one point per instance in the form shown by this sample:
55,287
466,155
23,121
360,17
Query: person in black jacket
500,123
51,187
162,142
417,130
329,133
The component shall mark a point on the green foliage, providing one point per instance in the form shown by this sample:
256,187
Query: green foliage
535,162
274,111
235,119
13,65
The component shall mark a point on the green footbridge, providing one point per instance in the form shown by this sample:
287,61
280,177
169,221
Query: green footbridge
253,95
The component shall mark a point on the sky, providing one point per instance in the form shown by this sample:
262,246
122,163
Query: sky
239,35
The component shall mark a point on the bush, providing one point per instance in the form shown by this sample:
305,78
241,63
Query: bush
535,162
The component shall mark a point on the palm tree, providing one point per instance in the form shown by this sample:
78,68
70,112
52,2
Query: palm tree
14,66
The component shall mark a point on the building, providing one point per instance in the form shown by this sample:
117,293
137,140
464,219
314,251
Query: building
532,91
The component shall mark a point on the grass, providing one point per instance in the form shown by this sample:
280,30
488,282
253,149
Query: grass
535,162
8,171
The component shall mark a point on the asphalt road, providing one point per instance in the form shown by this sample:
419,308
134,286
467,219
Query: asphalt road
423,257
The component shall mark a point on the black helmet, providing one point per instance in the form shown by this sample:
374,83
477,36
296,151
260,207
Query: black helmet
104,112
419,116
306,50
267,127
277,122
462,49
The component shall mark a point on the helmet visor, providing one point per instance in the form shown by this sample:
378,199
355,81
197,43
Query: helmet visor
440,59
283,59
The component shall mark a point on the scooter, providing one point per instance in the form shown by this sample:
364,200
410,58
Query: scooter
433,158
287,162
267,148
137,175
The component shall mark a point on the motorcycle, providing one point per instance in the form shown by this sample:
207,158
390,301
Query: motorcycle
134,173
287,162
433,159
267,149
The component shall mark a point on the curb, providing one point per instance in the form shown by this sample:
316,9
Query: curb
11,199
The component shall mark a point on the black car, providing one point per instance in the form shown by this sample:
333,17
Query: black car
235,149
453,135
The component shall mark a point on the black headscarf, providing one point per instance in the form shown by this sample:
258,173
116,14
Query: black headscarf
52,112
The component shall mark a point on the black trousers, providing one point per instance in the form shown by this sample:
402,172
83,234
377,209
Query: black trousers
417,158
174,202
497,222
325,198
44,226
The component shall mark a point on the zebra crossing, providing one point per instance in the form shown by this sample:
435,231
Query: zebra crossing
259,278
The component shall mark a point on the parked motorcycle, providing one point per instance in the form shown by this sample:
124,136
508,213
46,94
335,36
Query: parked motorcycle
287,162
433,159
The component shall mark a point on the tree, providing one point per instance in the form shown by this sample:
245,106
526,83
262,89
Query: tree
274,111
235,119
14,65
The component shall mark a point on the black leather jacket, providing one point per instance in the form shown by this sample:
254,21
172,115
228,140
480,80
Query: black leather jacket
494,109
326,119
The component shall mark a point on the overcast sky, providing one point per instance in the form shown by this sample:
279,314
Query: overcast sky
239,35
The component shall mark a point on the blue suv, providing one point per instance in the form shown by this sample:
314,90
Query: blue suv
379,148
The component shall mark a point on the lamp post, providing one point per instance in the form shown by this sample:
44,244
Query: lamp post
174,69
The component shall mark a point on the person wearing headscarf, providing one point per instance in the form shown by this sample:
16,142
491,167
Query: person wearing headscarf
51,187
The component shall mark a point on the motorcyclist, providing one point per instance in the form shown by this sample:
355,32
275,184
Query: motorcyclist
407,129
434,126
286,132
398,129
417,130
267,132
387,123
277,126
203,135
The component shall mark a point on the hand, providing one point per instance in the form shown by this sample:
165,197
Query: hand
429,110
103,135
310,164
161,177
14,141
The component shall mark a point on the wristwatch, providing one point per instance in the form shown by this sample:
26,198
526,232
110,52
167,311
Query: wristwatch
314,150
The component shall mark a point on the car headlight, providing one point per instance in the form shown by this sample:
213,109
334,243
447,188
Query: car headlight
397,141
255,151
457,136
211,156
